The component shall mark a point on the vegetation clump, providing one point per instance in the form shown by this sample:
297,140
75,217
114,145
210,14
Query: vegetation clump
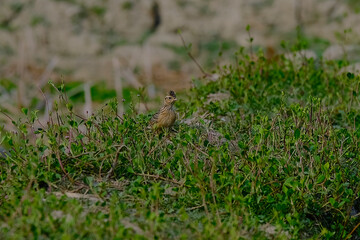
269,149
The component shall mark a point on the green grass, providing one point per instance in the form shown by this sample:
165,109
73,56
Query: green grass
276,158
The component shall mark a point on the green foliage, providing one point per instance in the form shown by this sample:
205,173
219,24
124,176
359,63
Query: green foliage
7,85
354,5
276,158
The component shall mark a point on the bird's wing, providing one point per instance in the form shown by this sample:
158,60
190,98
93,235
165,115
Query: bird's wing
154,118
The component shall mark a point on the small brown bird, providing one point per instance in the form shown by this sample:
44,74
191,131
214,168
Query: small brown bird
166,116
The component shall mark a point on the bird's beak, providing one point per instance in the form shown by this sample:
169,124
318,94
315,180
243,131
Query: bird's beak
175,99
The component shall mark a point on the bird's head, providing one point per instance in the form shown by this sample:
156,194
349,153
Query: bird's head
170,100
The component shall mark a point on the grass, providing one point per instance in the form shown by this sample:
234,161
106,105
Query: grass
274,156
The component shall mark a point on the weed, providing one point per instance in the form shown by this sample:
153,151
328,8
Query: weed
276,158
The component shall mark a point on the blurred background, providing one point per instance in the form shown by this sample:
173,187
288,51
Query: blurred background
103,49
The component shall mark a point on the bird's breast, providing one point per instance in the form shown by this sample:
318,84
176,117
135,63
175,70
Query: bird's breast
167,118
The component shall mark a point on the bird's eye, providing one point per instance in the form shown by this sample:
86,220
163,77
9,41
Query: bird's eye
170,98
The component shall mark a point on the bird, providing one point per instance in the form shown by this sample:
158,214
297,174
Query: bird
166,116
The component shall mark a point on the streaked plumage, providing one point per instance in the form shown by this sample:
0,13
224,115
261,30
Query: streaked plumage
166,116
